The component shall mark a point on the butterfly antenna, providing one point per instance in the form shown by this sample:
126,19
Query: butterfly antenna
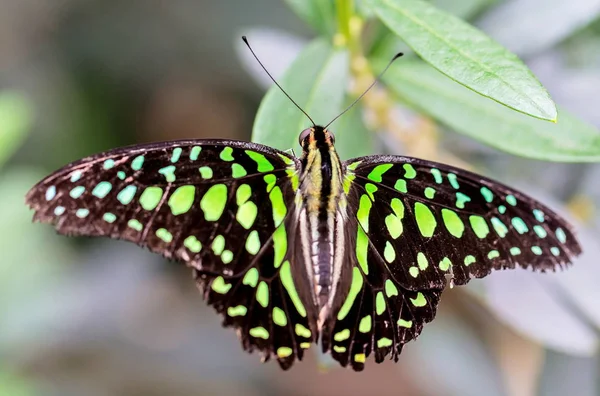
398,55
276,83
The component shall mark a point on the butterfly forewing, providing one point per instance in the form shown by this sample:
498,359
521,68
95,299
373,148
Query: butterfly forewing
430,221
225,208
413,225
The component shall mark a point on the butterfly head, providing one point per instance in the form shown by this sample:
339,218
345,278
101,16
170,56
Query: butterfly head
316,136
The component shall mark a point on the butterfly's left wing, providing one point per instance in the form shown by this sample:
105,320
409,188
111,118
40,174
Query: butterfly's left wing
411,225
225,208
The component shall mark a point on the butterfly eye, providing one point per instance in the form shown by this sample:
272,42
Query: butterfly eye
304,135
331,136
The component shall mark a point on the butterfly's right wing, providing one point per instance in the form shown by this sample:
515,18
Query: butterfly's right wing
225,208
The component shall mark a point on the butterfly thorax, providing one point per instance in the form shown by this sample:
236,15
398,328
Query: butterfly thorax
321,191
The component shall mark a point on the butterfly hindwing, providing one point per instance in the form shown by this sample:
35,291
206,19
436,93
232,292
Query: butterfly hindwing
371,312
225,208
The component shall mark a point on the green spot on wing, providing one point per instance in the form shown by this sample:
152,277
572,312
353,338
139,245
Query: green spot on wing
213,202
302,331
487,194
453,181
251,277
263,164
253,243
499,227
287,280
401,185
237,171
377,173
165,235
493,254
109,217
102,189
355,287
388,253
109,163
193,244
362,250
168,172
437,175
422,261
206,172
365,324
176,154
479,226
429,192
246,214
242,194
384,342
342,335
125,196
239,310
409,171
137,163
220,286
279,317
390,288
151,197
540,231
259,332
379,303
511,200
77,192
262,294
283,352
445,264
405,323
560,235
226,154
453,223
195,152
519,225
419,301
425,219
278,204
82,213
218,245
182,199
362,214
461,200
134,224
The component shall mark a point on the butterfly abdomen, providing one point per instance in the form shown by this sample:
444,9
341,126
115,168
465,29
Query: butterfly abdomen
322,193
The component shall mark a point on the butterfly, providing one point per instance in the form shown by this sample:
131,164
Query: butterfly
290,250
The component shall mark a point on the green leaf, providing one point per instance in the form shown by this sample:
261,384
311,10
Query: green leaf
15,120
569,140
320,14
352,138
464,9
317,81
466,55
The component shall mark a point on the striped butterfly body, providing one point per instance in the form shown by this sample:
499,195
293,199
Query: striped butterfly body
292,250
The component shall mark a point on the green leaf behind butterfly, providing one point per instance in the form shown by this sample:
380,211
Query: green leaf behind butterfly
320,14
466,55
569,140
317,81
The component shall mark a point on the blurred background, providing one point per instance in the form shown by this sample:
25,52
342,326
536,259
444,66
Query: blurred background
99,317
